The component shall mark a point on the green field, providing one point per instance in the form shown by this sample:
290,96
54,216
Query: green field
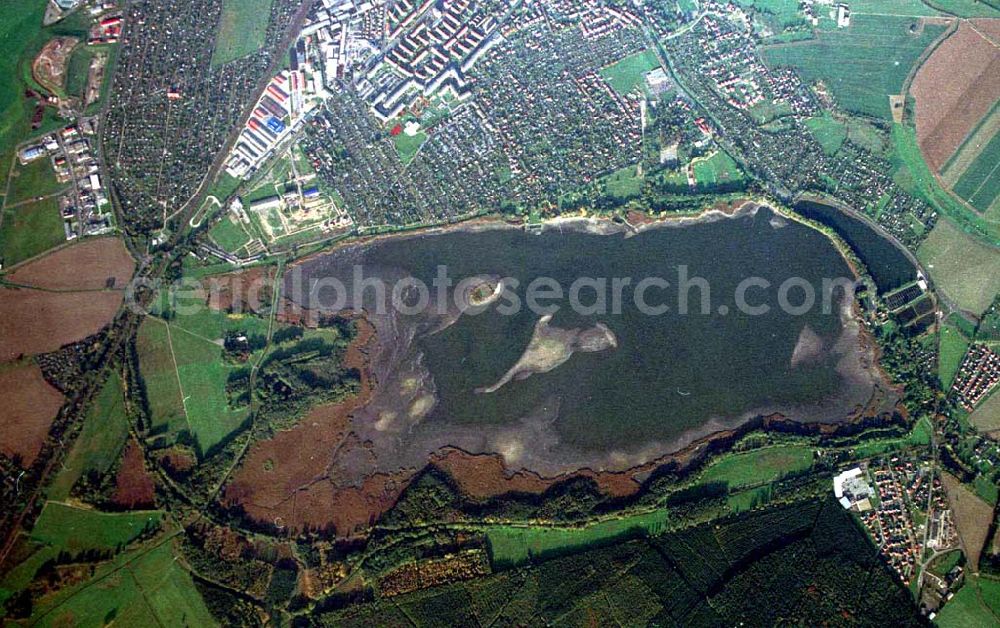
986,417
862,64
718,169
229,234
967,270
626,75
77,529
104,432
967,8
915,177
408,145
979,185
32,180
782,12
78,70
624,183
22,21
512,545
828,132
758,466
953,346
146,587
160,378
241,29
976,604
29,230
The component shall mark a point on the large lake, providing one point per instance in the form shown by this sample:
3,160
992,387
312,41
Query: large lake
620,388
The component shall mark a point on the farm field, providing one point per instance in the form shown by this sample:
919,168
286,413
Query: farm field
29,406
100,442
953,346
513,545
31,180
967,271
863,64
986,418
30,229
21,24
35,321
954,89
241,30
144,587
980,183
91,264
970,149
626,75
972,516
759,466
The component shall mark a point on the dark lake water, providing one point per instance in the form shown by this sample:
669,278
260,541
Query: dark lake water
671,377
887,264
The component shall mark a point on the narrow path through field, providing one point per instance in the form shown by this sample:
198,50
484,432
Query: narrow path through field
180,386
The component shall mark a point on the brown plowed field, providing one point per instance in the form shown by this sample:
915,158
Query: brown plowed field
954,89
33,321
29,405
89,265
133,486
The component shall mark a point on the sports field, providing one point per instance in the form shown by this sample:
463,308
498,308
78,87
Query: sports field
965,269
863,64
241,29
718,169
30,229
626,75
979,185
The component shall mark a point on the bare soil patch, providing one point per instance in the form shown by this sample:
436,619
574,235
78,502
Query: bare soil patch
49,67
954,89
29,406
33,321
90,265
291,480
133,486
481,476
248,290
972,518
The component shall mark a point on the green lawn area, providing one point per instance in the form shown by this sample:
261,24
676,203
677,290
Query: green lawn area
967,608
407,145
224,186
967,8
718,169
104,432
37,178
967,270
911,8
758,466
624,183
828,132
625,75
919,435
241,29
952,349
862,64
229,234
515,545
77,529
29,230
146,587
784,13
78,69
979,185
